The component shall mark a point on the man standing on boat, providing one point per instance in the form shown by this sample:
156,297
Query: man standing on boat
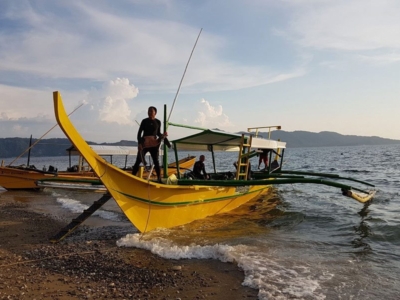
263,158
149,138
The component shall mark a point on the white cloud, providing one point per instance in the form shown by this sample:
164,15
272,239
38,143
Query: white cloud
220,76
17,102
114,107
32,110
98,43
346,25
4,116
383,59
211,116
76,46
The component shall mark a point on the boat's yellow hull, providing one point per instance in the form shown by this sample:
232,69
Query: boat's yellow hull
149,205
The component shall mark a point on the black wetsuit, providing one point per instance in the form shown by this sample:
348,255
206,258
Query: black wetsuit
198,168
148,127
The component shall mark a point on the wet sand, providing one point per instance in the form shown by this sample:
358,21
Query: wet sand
89,265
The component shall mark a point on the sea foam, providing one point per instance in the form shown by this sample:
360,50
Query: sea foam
78,207
273,279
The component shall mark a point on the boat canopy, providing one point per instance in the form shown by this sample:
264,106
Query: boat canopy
107,150
222,141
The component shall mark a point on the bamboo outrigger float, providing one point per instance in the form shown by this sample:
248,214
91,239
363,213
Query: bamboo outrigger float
149,205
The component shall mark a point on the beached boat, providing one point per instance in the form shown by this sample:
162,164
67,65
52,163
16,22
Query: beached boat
179,200
24,178
78,176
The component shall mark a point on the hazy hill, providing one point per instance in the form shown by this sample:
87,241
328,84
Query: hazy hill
297,139
13,147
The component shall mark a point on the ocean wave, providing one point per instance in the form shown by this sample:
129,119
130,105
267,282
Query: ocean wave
273,279
78,207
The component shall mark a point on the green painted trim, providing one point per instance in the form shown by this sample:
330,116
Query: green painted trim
92,181
189,202
264,175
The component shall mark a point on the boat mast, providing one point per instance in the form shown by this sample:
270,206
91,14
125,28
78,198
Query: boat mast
29,152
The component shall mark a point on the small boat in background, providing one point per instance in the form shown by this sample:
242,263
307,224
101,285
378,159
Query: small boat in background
78,176
25,177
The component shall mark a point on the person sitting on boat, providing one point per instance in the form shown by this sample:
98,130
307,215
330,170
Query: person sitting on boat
149,138
199,169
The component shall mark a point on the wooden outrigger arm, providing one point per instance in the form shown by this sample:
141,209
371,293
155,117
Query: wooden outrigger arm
325,175
347,190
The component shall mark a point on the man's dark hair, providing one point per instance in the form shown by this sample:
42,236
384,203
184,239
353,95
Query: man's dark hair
155,109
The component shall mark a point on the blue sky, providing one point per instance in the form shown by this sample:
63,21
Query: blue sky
312,65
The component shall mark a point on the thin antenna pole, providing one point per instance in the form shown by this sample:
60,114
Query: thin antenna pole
177,92
30,147
165,125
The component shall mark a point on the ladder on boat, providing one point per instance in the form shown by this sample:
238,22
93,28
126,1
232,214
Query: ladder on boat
80,219
242,170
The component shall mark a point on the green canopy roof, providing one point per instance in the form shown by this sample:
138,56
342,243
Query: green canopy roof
222,141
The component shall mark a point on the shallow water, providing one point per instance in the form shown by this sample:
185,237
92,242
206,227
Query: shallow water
299,242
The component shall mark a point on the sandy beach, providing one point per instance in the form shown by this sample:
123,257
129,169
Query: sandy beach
91,266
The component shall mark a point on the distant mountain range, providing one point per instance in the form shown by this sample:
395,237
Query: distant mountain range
299,139
14,147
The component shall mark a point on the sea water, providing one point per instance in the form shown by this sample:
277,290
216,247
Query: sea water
301,241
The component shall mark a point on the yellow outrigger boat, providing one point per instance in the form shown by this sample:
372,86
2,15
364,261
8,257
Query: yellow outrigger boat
177,201
149,204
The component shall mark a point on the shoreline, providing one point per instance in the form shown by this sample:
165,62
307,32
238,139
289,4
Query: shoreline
89,265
